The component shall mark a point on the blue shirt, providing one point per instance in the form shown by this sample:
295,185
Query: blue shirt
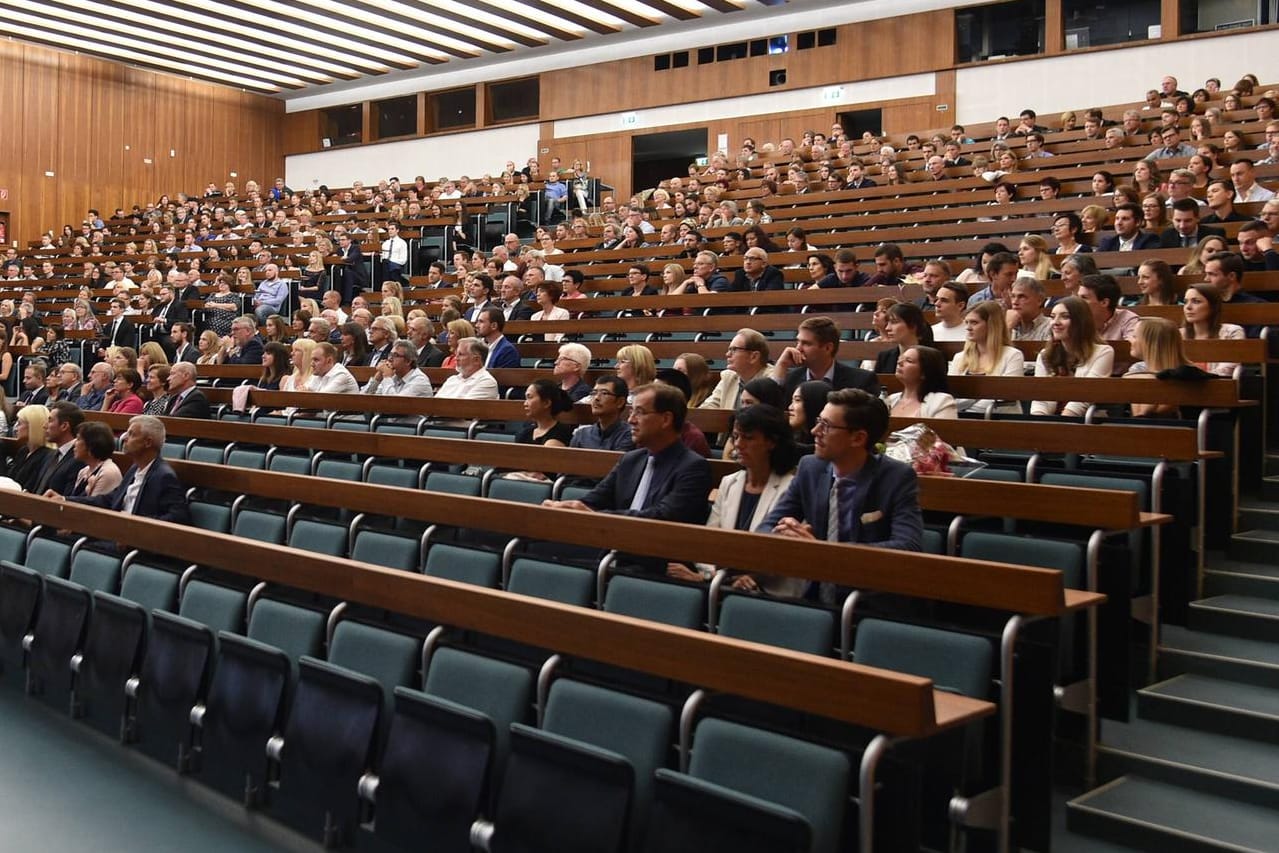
272,293
591,437
556,190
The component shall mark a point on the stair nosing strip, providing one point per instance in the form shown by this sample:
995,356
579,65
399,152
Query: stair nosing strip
1190,652
1248,613
1159,827
1233,574
1246,538
1219,774
1202,704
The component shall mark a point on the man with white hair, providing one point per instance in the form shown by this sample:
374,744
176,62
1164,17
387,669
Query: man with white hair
472,381
420,332
149,488
382,336
185,400
570,369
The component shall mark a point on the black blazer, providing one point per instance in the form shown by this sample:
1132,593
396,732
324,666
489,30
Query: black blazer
26,466
1144,240
846,376
250,353
61,476
162,496
770,280
177,313
678,490
194,405
1170,239
886,360
355,274
123,335
430,356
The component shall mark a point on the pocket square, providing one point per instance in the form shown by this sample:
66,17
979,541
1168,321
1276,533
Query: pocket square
872,517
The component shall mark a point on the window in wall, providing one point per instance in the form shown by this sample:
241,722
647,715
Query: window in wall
396,117
453,109
1090,23
725,52
343,126
998,30
512,100
679,59
1206,16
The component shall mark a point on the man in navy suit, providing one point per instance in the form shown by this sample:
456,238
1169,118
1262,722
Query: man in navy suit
60,471
488,328
1128,236
813,357
871,498
185,400
1186,230
150,488
662,479
756,274
355,276
246,346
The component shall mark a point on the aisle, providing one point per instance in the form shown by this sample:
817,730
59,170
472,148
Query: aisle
63,789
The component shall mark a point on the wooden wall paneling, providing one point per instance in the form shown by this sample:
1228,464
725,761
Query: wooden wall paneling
608,153
302,131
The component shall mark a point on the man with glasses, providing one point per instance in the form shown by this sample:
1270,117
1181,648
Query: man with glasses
472,381
610,430
845,492
747,358
662,479
1181,182
1173,148
571,363
756,273
398,375
70,381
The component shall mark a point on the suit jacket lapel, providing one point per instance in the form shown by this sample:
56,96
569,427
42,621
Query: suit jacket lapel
821,510
733,503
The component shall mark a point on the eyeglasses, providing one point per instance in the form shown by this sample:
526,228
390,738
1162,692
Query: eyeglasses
733,349
824,425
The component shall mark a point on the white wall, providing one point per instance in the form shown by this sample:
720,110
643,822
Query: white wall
842,96
1060,83
474,154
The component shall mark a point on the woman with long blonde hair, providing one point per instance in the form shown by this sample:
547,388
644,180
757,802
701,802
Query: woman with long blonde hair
300,357
1156,346
988,351
1035,257
1075,349
636,365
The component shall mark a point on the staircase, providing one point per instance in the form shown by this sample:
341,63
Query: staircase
1197,769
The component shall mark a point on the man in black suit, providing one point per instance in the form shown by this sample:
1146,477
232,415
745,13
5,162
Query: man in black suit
813,357
149,488
1128,236
514,307
1186,231
355,276
33,382
60,471
168,311
183,349
662,479
185,400
420,332
118,331
756,273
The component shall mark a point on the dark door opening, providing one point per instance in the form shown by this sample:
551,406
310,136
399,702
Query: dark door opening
857,122
656,157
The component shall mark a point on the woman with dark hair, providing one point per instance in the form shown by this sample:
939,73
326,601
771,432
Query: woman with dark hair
977,272
1203,322
767,454
797,240
544,401
1074,349
924,394
754,237
157,390
905,326
805,406
1156,282
122,397
819,265
1103,183
355,346
275,365
94,446
1066,230
760,391
1154,211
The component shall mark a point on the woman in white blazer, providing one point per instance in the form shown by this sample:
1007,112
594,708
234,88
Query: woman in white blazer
1073,350
767,453
988,351
922,371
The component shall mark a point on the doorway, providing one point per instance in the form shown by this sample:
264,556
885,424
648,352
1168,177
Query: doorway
857,122
656,157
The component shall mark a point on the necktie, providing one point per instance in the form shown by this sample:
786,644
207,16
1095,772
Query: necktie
641,491
1185,242
832,513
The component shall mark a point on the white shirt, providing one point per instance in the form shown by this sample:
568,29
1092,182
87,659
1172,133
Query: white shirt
1255,193
942,332
135,488
337,381
395,251
480,385
414,384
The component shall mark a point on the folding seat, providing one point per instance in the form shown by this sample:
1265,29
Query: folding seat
289,462
670,603
750,791
777,623
260,526
445,747
453,484
554,581
334,727
114,643
320,537
211,454
246,457
177,666
388,549
522,491
249,695
583,780
13,543
174,450
339,469
58,631
211,516
405,477
21,591
465,565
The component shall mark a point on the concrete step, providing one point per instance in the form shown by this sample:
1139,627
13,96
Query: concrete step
1254,515
1249,616
1155,815
1216,705
1218,764
1270,486
1182,650
1254,579
1257,545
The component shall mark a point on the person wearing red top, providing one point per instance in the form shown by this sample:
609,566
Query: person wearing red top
123,394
